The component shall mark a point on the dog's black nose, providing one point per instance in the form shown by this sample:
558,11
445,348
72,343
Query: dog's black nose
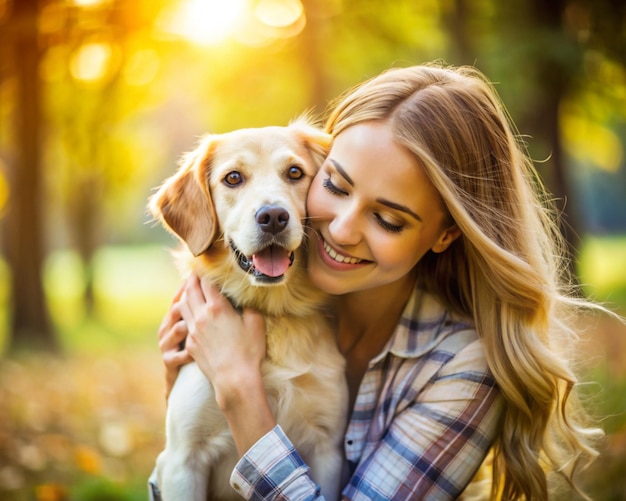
272,219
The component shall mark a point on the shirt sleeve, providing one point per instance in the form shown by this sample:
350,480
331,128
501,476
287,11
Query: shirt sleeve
273,469
433,447
430,449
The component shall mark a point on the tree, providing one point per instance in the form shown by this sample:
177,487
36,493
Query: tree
29,319
556,58
544,47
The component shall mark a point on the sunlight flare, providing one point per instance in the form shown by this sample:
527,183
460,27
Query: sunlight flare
206,22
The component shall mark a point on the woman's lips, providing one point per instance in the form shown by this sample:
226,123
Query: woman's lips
338,257
336,260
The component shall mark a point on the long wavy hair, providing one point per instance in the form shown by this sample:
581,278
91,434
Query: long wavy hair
508,270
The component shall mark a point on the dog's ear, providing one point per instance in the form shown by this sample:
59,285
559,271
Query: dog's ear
183,203
315,139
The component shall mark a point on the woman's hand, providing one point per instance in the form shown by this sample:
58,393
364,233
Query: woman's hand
172,334
229,347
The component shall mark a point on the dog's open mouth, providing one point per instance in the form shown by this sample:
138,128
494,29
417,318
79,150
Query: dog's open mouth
267,265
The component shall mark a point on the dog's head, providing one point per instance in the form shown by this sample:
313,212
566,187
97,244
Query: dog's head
245,191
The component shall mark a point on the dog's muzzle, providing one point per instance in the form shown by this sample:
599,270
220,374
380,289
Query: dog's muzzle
268,265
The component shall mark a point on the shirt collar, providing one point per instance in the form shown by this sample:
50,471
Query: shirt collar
423,325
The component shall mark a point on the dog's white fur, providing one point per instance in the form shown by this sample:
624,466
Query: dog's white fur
211,209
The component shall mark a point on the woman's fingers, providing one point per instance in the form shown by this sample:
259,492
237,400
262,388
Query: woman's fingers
173,359
214,298
202,303
172,344
172,316
193,293
172,334
192,302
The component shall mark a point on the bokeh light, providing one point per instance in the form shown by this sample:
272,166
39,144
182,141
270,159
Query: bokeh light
90,62
206,22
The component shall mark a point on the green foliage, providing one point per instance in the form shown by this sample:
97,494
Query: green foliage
602,270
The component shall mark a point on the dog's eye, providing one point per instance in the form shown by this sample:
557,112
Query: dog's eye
233,178
295,172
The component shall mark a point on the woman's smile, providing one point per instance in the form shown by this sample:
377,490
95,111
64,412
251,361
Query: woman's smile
334,257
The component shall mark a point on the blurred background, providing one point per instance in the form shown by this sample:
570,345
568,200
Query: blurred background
98,99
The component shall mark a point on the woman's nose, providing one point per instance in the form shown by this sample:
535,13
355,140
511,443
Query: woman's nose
345,228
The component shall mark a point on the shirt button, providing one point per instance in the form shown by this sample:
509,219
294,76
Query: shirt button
349,441
236,486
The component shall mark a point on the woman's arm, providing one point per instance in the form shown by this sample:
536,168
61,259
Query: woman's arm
229,348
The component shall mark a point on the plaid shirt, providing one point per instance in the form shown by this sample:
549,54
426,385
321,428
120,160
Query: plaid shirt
426,414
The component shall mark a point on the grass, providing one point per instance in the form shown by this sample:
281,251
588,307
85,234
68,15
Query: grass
88,425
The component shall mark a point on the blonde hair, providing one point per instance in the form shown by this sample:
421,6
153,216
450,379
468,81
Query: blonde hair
507,270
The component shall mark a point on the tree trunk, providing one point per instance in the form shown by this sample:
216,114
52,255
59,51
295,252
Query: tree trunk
30,325
456,21
554,77
559,183
313,55
85,221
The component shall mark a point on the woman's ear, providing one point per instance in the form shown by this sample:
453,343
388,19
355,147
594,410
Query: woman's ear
446,237
183,203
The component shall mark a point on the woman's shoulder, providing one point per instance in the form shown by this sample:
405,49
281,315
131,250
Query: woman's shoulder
433,336
426,324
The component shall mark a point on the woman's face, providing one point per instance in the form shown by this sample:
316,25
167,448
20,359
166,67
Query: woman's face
374,212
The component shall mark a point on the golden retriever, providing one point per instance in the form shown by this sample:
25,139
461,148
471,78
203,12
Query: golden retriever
238,202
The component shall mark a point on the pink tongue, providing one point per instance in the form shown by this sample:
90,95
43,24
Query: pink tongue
272,261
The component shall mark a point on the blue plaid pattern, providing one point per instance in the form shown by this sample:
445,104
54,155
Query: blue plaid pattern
427,412
273,469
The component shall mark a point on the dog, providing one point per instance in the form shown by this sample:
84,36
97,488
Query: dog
238,203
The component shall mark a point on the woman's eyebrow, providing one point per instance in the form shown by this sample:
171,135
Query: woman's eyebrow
382,201
396,206
341,171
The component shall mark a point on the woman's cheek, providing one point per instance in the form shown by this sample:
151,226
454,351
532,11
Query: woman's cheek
313,201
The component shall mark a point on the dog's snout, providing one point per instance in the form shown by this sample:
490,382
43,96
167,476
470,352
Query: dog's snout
272,219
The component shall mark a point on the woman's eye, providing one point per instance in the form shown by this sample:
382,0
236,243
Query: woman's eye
387,226
294,173
233,178
328,184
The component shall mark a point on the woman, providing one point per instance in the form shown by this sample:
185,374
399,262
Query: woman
443,262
